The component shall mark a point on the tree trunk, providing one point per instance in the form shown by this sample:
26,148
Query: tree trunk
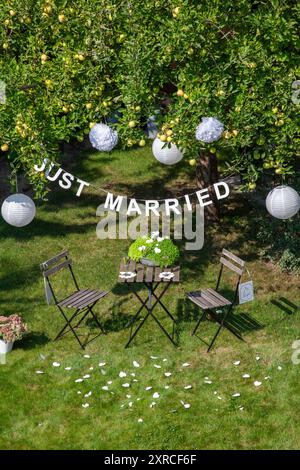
206,175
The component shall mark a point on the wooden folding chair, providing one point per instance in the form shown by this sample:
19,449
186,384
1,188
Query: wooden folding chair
209,299
82,301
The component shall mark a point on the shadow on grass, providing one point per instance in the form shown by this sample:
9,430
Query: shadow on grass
285,305
32,341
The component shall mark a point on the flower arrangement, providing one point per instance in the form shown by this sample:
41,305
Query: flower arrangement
12,328
160,250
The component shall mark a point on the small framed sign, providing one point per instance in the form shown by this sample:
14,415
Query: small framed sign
246,292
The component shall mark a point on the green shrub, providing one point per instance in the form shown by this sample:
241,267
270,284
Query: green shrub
160,250
68,64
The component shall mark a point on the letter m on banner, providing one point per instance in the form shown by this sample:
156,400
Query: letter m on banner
111,204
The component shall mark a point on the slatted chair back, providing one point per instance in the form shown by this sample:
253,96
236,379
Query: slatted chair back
55,265
234,264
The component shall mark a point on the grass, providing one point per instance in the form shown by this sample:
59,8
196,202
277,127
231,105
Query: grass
45,411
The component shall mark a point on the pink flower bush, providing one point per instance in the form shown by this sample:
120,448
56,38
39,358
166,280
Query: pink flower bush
12,328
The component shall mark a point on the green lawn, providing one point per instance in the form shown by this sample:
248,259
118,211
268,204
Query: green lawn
45,411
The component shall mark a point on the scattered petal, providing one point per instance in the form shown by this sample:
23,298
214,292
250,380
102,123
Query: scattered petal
78,381
130,404
152,404
85,405
257,383
109,382
135,380
87,395
219,398
246,376
135,364
39,372
186,364
79,392
87,376
140,420
157,366
56,364
148,388
105,388
236,395
126,385
102,364
257,358
122,374
187,405
156,395
236,363
42,357
153,357
168,374
132,374
91,368
103,372
267,378
68,368
188,387
279,368
241,408
87,356
128,396
167,387
208,382
165,360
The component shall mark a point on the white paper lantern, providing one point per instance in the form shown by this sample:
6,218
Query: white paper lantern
103,138
283,202
18,210
209,130
168,154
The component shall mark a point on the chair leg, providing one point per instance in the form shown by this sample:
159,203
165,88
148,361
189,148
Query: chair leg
199,321
96,320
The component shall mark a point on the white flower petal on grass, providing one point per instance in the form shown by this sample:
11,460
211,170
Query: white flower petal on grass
148,388
187,387
152,404
39,372
132,374
130,404
91,368
257,358
105,388
267,378
126,385
165,360
102,364
140,420
236,395
109,382
87,356
68,368
56,364
79,392
122,374
42,357
85,405
186,364
78,381
241,408
135,380
155,395
187,405
128,396
87,376
153,357
279,368
87,395
103,372
208,382
246,376
167,387
219,398
236,363
157,366
168,374
136,364
257,383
